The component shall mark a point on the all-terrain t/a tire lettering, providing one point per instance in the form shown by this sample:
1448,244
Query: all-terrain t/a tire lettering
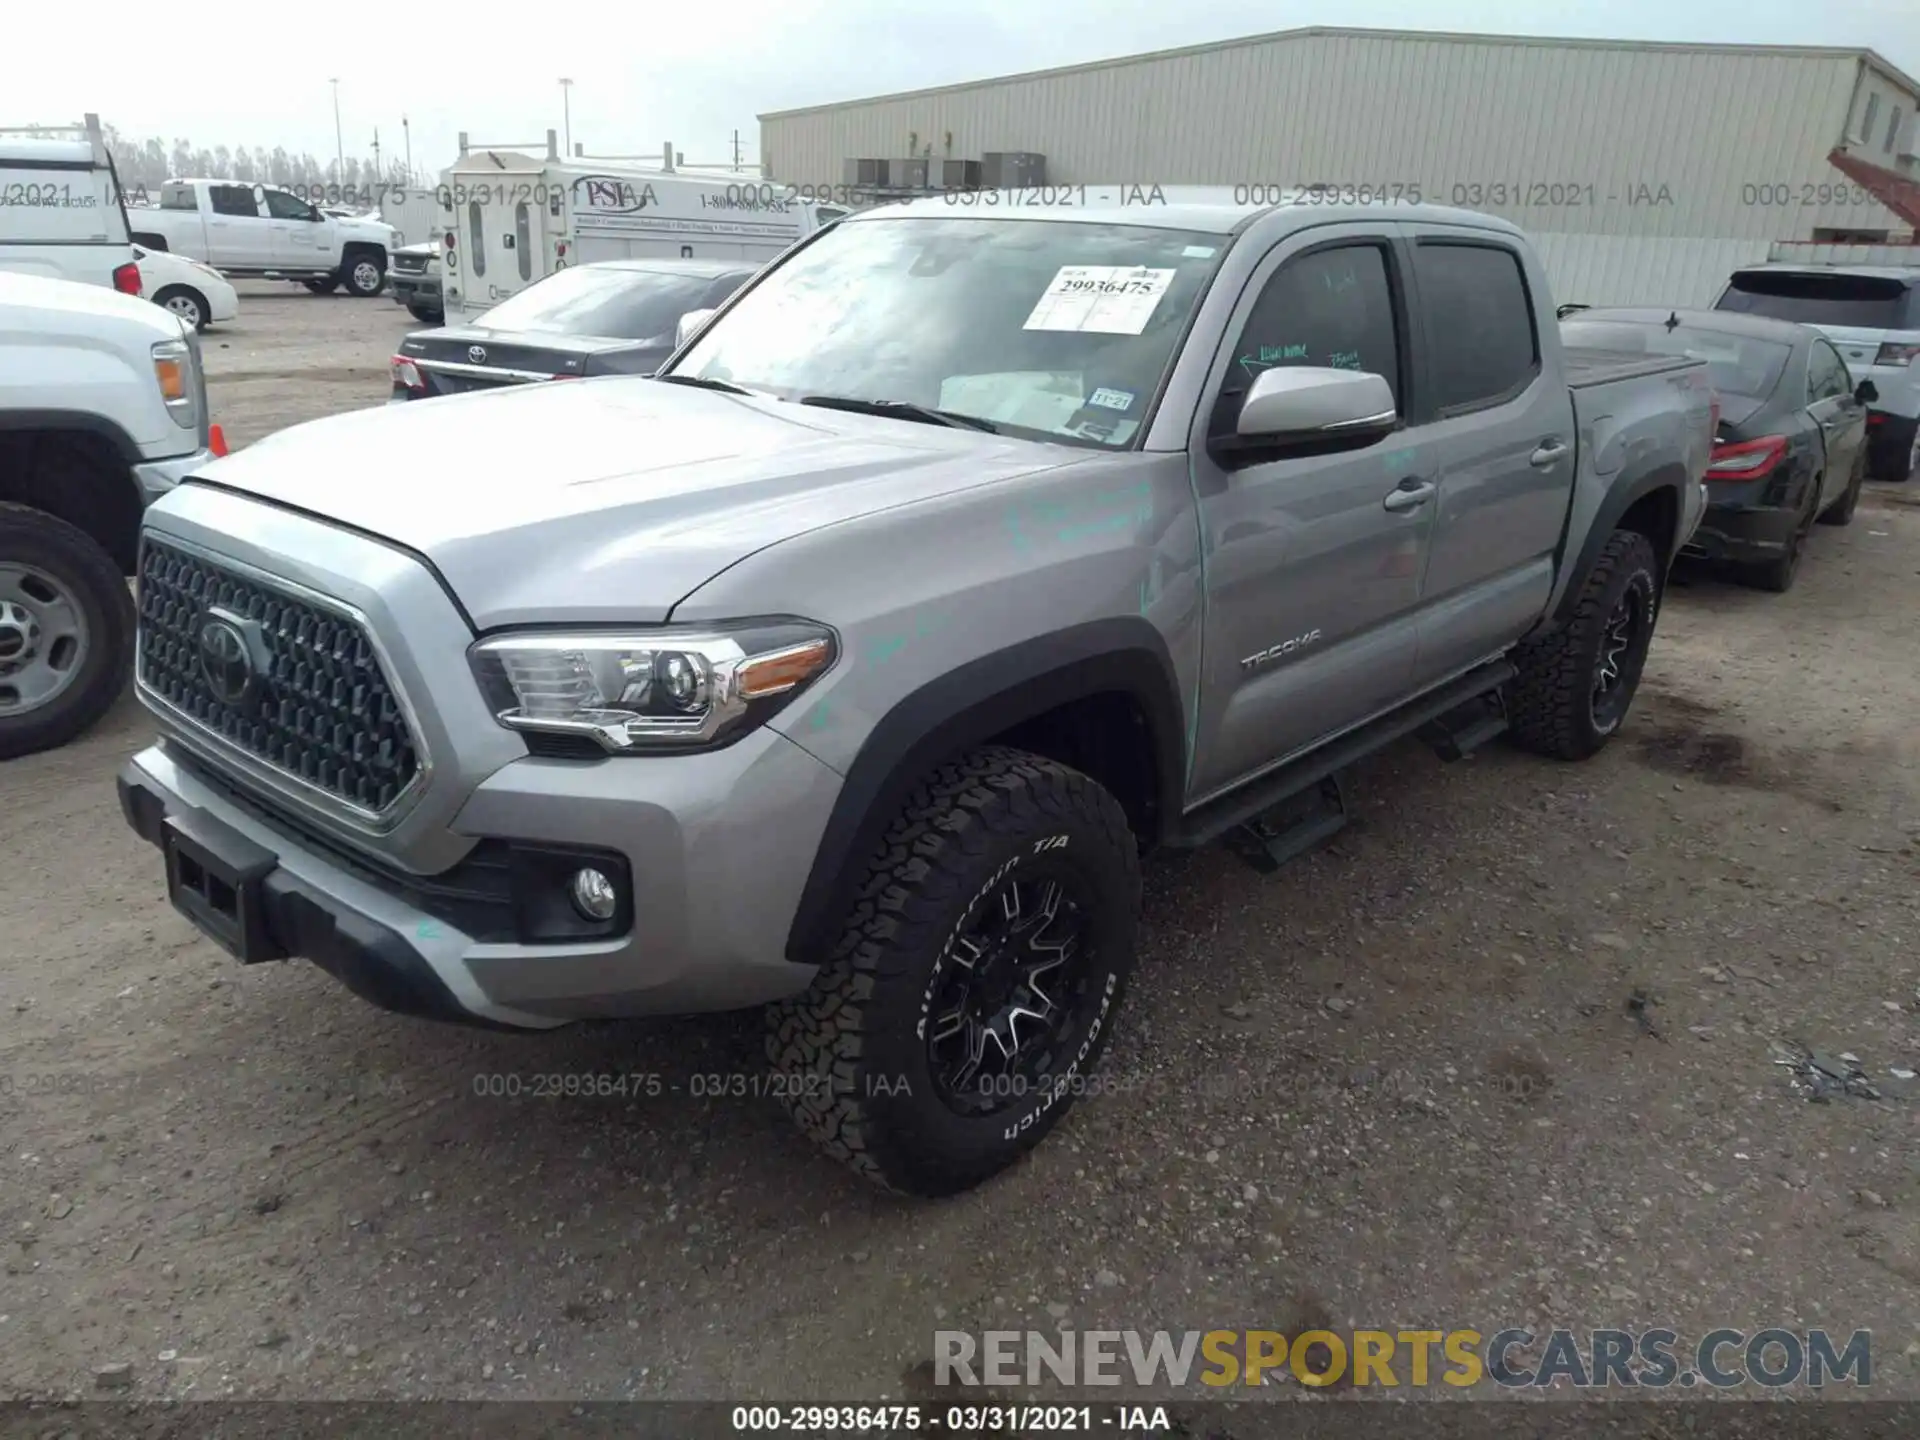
911,1083
1577,681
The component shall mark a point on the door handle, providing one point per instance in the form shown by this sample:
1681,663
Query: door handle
1550,452
1410,495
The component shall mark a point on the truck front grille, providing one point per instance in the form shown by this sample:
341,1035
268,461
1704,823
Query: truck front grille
410,264
289,681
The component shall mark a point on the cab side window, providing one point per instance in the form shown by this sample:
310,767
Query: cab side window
282,206
1826,374
1331,308
233,200
1479,317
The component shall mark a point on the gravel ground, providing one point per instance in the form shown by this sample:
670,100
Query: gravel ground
1399,1084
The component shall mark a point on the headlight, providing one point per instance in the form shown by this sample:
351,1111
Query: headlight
173,371
672,687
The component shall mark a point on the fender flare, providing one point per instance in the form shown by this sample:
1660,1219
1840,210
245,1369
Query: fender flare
16,420
1620,498
955,712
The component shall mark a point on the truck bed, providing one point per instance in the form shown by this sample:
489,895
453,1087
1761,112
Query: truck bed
1587,367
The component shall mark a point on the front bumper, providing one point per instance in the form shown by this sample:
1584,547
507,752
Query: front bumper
414,289
714,883
156,477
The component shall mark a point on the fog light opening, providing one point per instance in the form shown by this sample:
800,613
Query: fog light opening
593,894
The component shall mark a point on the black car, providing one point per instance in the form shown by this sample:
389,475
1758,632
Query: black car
613,317
1791,446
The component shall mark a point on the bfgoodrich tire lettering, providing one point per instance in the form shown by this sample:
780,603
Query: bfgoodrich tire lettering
861,1080
1554,705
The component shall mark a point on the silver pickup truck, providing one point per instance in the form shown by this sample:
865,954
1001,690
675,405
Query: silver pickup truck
851,665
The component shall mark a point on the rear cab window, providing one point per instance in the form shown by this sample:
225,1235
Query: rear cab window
1849,300
56,192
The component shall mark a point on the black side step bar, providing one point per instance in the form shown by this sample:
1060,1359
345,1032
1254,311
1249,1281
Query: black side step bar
1255,800
1458,733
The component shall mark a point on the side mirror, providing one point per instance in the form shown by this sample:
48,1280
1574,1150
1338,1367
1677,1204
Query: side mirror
1866,392
689,326
1313,406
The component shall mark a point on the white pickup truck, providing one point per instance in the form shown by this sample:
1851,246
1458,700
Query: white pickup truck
261,230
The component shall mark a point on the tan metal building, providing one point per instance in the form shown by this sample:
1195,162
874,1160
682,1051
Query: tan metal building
1646,171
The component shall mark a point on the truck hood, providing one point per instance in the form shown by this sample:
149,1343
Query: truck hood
376,232
607,500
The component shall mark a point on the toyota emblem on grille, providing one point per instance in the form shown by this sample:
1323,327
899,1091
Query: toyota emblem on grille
477,354
226,658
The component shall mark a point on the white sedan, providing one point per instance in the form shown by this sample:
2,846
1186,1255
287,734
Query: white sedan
198,294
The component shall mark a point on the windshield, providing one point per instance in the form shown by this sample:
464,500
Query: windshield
602,300
1869,302
1059,329
1736,364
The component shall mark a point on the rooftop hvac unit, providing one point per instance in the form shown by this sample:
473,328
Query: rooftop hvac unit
960,174
867,174
1013,169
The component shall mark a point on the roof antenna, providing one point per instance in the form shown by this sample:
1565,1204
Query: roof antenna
1673,321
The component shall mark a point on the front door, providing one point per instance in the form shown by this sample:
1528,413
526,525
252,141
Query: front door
1503,428
1312,571
1842,419
302,234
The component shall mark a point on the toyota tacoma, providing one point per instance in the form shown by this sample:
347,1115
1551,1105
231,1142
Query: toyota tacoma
850,665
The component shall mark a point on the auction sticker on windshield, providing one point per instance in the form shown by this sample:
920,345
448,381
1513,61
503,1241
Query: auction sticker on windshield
1105,299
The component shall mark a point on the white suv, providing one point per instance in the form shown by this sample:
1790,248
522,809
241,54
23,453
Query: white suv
61,214
1872,315
103,407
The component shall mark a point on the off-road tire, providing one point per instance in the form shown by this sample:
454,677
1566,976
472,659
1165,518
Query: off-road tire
421,313
88,574
848,1056
1550,705
1841,511
322,287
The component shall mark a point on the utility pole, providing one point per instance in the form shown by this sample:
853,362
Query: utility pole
736,150
407,131
339,145
566,110
377,175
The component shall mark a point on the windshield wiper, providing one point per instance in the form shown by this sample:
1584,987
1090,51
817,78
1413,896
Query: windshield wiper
705,382
901,409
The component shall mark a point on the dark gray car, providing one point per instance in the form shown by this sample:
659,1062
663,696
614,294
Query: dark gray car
614,317
1791,444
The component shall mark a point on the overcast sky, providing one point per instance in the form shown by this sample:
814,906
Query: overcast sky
239,72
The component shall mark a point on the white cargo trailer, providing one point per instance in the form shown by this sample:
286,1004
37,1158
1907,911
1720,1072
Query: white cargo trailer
513,216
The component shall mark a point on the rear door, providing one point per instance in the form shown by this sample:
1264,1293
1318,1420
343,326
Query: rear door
1841,418
239,234
502,242
1502,432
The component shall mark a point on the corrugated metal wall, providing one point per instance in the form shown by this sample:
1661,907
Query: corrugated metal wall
1737,140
